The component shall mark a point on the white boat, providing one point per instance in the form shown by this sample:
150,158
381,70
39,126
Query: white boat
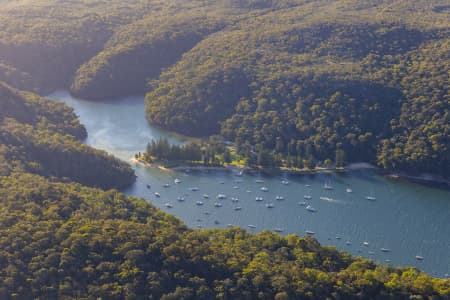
348,243
193,189
168,205
307,185
199,203
265,189
285,182
418,257
259,198
166,185
349,190
221,196
235,187
241,172
302,203
388,261
234,199
279,198
326,199
217,204
177,180
230,225
251,226
308,197
270,205
385,250
279,230
327,186
309,232
206,196
371,198
259,181
238,208
338,237
181,198
310,208
365,243
157,195
248,191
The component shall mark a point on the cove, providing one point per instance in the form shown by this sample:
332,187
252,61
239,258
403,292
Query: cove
405,219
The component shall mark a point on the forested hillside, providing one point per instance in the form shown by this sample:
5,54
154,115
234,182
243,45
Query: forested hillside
43,137
66,241
306,81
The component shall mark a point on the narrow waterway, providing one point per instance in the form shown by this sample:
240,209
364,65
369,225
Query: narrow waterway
402,220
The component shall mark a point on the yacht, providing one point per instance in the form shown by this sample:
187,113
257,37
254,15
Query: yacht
308,197
199,203
217,204
371,198
270,205
157,195
310,208
279,198
168,205
221,196
265,189
177,180
259,198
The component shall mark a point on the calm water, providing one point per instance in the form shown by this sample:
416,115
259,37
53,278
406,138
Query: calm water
406,218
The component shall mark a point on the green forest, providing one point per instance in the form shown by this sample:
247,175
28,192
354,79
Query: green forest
303,80
296,80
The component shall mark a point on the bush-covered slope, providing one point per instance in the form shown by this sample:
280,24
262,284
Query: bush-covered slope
43,137
66,241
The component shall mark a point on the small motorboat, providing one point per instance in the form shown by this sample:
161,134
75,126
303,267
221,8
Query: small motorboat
193,189
349,190
235,187
234,199
251,226
418,257
168,205
388,261
307,185
206,196
327,186
177,181
310,208
279,198
270,205
285,182
365,243
265,189
279,230
309,232
217,204
308,197
385,250
338,237
238,208
348,243
181,198
199,203
259,198
302,203
157,195
259,181
371,198
166,185
221,196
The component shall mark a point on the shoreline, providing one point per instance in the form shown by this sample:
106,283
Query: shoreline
390,174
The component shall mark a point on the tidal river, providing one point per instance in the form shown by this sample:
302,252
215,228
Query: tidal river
392,222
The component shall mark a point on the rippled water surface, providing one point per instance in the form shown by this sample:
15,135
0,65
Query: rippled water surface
406,219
